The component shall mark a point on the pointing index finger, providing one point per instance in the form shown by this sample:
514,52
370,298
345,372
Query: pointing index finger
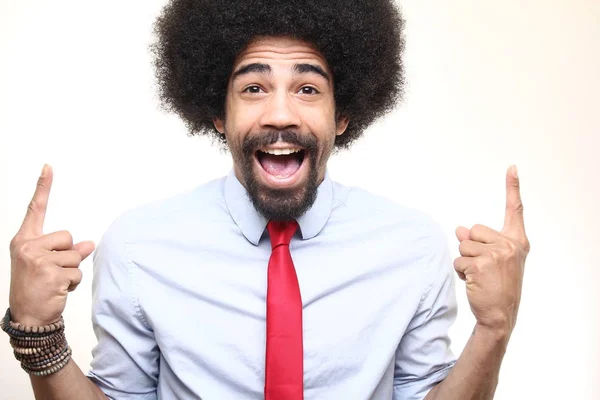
33,223
513,220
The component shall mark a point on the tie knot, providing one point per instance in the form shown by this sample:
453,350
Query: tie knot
281,232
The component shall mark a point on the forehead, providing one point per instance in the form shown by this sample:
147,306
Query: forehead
280,49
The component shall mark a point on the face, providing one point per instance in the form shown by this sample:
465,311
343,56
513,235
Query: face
280,124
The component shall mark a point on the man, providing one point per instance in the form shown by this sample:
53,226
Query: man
274,282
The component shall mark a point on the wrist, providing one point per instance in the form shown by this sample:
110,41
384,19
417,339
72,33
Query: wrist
27,321
497,335
24,316
42,350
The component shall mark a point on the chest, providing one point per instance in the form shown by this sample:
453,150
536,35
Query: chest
208,310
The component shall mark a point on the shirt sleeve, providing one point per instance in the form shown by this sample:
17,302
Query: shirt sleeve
423,357
125,359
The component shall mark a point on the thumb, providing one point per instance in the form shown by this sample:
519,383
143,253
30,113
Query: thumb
84,248
463,233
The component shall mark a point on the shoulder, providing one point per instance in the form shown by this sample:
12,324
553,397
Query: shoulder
171,214
398,222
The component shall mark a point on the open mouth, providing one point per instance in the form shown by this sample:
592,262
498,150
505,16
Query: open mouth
281,166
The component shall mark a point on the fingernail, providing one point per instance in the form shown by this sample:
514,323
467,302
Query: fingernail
44,169
515,172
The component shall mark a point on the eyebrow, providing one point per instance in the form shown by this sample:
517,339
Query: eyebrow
255,67
266,69
310,68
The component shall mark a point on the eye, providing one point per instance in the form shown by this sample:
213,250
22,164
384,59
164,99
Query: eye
308,90
253,89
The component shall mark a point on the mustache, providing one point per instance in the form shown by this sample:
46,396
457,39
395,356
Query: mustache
254,142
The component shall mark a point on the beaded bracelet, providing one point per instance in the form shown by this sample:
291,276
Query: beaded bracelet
46,363
17,330
49,371
43,365
42,350
23,354
38,342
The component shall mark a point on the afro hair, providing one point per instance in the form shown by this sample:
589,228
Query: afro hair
197,42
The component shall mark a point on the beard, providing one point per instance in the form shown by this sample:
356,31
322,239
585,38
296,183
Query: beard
281,204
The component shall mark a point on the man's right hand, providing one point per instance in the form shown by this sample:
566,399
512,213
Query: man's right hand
44,268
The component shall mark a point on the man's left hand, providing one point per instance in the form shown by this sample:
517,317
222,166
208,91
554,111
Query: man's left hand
493,263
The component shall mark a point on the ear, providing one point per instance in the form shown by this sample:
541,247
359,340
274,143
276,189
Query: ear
219,125
341,125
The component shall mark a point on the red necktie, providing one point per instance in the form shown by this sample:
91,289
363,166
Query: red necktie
284,371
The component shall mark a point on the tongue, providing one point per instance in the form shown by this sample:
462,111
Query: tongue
282,166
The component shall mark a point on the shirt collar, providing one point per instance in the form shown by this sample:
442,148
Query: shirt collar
252,224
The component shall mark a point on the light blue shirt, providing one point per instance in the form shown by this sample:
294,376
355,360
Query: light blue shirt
180,287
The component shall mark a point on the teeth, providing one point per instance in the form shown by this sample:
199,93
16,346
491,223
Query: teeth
280,152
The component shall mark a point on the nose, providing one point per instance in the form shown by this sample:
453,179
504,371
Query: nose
280,113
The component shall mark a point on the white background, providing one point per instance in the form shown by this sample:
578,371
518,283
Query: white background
489,84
